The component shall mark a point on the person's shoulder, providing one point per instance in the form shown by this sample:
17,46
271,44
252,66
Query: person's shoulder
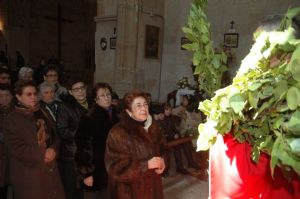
118,132
12,117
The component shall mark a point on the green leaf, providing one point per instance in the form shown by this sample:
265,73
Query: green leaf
267,91
293,12
197,58
282,108
223,57
278,121
225,125
255,86
191,46
293,125
236,103
224,104
295,145
293,98
274,155
253,99
216,62
280,89
295,69
267,144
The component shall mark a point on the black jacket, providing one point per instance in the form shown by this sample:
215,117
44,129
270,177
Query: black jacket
91,141
68,117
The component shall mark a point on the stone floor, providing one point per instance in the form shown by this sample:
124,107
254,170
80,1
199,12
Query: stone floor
185,187
193,186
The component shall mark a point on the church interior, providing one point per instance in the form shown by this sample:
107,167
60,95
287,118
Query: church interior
131,44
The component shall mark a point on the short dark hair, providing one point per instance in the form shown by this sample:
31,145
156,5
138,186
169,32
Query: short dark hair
4,70
50,67
6,87
157,109
20,85
114,95
72,81
167,106
100,85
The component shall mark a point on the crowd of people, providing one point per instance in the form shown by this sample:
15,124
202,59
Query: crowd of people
66,142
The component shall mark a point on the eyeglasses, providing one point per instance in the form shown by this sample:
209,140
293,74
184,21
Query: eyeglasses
81,88
29,94
140,106
52,75
108,95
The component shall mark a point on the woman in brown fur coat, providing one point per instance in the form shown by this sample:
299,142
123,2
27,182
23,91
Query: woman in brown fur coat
133,154
32,148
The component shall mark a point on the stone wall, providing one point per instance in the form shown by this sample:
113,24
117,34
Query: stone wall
127,67
246,15
31,29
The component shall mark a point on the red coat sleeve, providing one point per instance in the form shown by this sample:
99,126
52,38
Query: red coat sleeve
234,175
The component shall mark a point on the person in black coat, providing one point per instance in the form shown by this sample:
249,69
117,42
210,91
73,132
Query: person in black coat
91,141
69,113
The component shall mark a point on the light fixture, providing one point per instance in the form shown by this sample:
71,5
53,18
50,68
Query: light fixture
103,43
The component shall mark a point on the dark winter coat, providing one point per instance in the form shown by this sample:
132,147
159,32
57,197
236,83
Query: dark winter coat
3,152
90,140
68,117
168,127
128,148
30,176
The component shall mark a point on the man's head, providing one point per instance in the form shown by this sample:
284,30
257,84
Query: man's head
47,92
158,112
5,95
167,110
77,89
4,76
51,74
25,73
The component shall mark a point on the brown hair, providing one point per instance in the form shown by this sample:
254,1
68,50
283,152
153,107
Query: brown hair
130,96
20,85
167,106
100,85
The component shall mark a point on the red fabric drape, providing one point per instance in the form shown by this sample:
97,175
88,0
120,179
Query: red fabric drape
234,175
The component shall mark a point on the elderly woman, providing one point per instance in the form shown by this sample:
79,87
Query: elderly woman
47,99
25,74
90,140
31,143
133,155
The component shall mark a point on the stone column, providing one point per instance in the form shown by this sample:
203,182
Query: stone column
126,55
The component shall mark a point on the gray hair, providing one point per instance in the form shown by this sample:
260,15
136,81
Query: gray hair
45,85
24,71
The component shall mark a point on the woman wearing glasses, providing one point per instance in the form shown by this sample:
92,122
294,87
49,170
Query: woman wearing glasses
133,155
32,146
90,140
69,113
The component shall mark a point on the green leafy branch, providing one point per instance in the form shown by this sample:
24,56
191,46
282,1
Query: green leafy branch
262,105
209,66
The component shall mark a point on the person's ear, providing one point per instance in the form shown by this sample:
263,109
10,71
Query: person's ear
70,92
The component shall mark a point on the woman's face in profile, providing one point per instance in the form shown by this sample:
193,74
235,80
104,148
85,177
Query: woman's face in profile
139,109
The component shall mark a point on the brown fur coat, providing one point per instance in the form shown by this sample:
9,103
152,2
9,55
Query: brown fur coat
128,148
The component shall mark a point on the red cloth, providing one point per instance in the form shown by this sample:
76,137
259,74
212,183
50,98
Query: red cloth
234,175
